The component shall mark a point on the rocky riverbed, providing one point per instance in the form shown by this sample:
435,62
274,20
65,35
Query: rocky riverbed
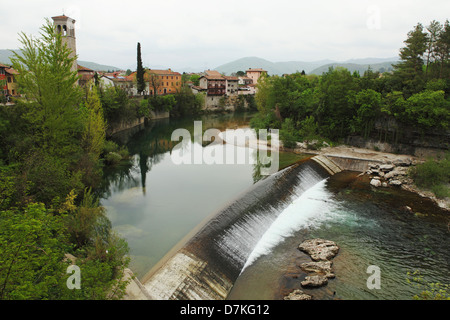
396,174
319,270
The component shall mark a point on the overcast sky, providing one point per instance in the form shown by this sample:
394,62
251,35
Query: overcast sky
204,34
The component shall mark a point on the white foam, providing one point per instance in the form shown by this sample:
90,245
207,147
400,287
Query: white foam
307,210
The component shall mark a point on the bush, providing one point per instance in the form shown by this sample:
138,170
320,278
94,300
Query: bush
433,175
288,134
113,158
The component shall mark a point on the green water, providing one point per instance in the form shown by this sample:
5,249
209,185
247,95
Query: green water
155,203
371,228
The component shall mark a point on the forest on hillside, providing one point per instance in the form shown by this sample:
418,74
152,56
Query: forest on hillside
387,106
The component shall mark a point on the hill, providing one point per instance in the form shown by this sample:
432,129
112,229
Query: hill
315,67
361,68
5,54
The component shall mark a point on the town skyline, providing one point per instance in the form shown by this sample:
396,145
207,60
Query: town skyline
200,36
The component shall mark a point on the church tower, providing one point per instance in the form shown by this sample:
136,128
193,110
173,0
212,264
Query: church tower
66,27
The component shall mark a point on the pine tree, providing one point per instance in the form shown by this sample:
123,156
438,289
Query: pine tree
140,71
410,69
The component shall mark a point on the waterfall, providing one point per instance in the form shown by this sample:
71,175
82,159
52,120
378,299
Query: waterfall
209,263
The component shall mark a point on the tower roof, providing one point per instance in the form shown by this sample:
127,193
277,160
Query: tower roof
63,17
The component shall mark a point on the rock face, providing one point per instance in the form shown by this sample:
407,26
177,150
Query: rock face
319,270
318,267
314,281
297,294
319,249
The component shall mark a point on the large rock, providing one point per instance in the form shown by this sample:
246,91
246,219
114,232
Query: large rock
297,294
395,183
387,167
319,249
375,182
402,162
318,267
314,281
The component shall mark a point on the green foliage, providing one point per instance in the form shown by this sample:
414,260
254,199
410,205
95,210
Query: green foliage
117,106
288,133
32,246
195,78
46,78
429,290
140,71
433,175
428,110
162,103
50,147
186,103
308,129
393,106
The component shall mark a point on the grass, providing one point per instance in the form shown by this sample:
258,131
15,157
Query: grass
433,175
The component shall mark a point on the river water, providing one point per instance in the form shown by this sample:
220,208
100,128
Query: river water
155,203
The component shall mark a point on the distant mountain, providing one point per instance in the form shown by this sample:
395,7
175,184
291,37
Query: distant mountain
97,67
5,54
352,67
315,67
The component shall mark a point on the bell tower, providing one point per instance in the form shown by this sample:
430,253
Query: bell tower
66,27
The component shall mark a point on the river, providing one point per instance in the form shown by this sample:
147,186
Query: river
155,203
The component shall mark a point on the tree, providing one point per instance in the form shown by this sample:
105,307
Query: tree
434,31
369,103
410,69
443,52
50,86
155,82
140,71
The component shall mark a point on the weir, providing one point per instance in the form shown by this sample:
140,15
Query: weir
206,266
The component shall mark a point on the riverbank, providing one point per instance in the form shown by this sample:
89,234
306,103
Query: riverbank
360,159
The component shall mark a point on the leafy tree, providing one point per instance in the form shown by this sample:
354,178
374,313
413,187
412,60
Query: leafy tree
195,78
49,84
288,133
336,91
368,103
429,110
32,246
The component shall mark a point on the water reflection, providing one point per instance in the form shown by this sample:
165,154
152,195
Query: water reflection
154,203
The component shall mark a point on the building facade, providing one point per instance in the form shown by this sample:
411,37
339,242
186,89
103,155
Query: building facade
255,74
162,82
8,82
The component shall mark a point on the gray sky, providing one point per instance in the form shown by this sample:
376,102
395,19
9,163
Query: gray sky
204,34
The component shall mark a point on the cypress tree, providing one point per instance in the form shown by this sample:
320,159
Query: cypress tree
139,71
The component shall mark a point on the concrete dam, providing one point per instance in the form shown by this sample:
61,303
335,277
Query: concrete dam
206,265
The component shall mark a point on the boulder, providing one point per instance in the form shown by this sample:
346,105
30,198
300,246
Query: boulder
402,162
374,166
395,183
319,249
297,294
318,267
314,281
387,167
375,182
